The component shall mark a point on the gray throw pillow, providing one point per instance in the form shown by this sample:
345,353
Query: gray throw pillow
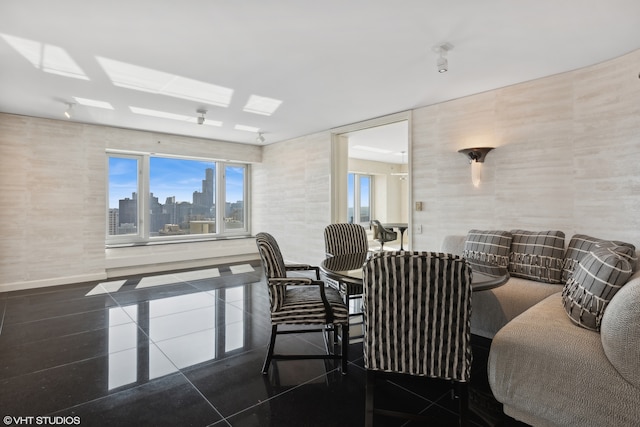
537,255
581,244
490,246
596,279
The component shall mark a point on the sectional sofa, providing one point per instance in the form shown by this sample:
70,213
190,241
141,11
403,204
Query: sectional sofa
565,328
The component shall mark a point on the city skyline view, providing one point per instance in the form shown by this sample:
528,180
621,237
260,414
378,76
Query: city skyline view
169,177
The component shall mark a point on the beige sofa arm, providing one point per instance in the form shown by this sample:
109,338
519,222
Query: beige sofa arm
620,331
453,244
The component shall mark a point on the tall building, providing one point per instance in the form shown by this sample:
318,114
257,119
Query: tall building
114,221
203,201
128,209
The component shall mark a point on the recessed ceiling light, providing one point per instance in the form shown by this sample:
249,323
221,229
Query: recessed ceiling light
262,105
246,128
172,116
93,103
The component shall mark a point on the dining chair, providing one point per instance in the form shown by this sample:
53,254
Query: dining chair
301,301
417,311
381,234
345,238
341,239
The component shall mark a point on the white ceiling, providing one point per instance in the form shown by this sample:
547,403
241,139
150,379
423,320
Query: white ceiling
330,62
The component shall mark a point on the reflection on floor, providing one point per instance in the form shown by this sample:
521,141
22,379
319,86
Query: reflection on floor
185,348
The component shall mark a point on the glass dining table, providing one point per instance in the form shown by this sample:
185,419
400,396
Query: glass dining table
347,269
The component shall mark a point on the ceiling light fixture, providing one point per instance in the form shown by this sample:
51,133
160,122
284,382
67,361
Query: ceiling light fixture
202,112
260,138
68,112
442,63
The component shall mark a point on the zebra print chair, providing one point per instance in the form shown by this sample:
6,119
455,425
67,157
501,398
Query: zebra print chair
341,239
417,311
300,301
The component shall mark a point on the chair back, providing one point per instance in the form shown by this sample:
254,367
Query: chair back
417,314
345,238
382,234
272,261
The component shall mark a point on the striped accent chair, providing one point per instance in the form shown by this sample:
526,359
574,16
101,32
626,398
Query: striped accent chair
341,239
345,238
417,315
301,301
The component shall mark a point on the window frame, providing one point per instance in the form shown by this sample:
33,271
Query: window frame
357,200
143,235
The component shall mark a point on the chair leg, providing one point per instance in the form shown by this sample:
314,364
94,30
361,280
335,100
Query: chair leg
272,343
368,404
463,396
345,346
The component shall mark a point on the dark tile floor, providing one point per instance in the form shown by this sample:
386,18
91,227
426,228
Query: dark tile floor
186,348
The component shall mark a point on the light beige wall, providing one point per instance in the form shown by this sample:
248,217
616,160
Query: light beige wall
292,195
567,157
53,198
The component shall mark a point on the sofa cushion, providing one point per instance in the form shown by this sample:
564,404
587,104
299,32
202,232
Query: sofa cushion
599,275
580,245
537,255
488,245
620,331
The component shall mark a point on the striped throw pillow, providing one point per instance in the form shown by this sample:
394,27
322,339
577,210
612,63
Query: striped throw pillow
597,278
537,255
580,245
491,246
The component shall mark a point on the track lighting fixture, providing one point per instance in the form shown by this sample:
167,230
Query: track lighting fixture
69,110
260,138
202,112
442,63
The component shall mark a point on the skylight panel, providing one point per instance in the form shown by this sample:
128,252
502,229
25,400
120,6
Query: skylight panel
172,116
207,122
144,79
93,103
246,128
194,90
262,105
160,114
48,58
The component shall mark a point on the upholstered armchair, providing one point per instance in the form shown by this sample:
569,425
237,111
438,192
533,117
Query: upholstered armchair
301,301
417,310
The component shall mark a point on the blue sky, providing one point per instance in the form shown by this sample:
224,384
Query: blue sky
168,177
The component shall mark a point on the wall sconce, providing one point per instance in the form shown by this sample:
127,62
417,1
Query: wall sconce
476,156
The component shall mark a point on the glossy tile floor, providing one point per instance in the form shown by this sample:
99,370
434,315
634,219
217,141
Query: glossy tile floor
186,348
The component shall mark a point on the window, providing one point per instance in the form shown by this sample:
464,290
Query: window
359,190
183,196
123,196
